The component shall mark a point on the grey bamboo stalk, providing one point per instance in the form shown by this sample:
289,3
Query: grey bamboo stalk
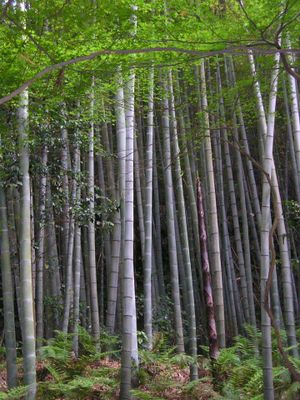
265,320
112,241
230,74
118,233
181,271
249,165
83,294
170,208
8,297
213,220
265,247
33,252
275,300
113,273
234,213
139,200
230,307
25,240
52,257
231,81
291,142
91,225
69,269
185,126
184,236
251,215
106,235
112,190
295,114
29,354
225,232
41,250
129,200
157,225
286,274
14,248
192,209
65,186
129,355
245,229
148,254
259,101
268,124
77,265
85,262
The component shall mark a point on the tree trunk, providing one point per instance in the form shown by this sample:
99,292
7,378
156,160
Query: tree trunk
41,251
192,348
213,220
25,254
170,209
209,302
8,297
91,225
148,254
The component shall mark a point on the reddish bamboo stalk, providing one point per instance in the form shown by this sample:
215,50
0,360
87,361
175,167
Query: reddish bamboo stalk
207,288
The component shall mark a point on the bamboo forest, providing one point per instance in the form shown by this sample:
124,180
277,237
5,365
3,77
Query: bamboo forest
150,199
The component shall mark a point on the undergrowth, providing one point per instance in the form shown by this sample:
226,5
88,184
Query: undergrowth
162,373
239,370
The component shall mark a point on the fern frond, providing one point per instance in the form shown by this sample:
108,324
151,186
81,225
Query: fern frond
292,392
14,393
142,395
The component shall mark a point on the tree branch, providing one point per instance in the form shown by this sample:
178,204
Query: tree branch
242,50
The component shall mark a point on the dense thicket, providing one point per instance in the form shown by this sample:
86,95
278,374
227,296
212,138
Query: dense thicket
153,186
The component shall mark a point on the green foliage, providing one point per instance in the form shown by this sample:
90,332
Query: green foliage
142,395
58,348
162,369
292,392
111,342
2,352
78,388
75,378
236,375
239,370
14,394
200,389
292,208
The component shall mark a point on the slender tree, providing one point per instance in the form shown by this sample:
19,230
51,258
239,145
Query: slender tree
8,297
213,219
25,254
148,254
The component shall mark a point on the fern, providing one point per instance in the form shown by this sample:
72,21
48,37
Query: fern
57,374
14,394
142,395
239,370
77,388
200,389
75,378
183,360
87,344
255,383
292,392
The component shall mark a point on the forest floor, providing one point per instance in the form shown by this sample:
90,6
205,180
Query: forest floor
166,382
163,374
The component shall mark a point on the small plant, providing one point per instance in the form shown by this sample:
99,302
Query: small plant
14,394
69,377
239,370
